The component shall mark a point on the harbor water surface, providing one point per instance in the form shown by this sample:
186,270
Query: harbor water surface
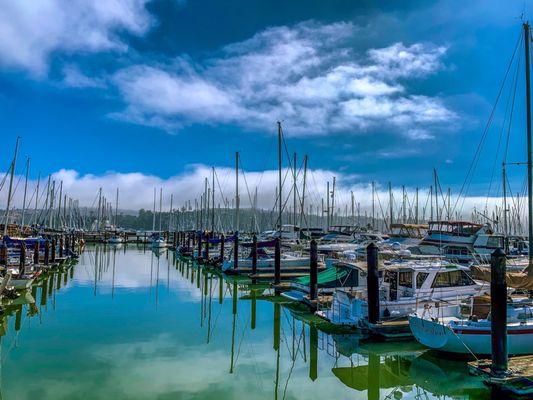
129,323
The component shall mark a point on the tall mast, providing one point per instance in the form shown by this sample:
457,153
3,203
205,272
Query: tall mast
153,215
529,155
416,206
436,194
391,207
116,210
294,207
213,201
13,164
373,205
237,200
352,210
332,218
327,208
302,211
36,199
25,192
170,214
404,205
504,187
279,177
160,206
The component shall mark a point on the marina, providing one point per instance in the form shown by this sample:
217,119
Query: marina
289,205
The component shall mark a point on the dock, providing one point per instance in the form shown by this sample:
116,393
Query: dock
517,381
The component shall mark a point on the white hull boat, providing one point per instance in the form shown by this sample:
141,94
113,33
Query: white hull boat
467,336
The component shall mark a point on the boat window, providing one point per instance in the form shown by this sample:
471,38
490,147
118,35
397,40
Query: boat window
405,278
495,241
420,279
451,279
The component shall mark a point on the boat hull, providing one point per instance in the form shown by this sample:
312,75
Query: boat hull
468,340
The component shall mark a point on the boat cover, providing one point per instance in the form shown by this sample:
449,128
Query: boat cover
516,280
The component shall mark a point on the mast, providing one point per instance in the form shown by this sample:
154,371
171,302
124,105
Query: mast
213,201
391,207
153,214
436,193
373,205
294,207
302,211
332,217
504,184
13,164
170,213
116,210
280,210
404,205
416,206
529,155
237,200
327,208
25,192
160,206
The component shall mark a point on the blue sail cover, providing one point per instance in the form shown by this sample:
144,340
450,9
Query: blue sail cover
218,240
30,242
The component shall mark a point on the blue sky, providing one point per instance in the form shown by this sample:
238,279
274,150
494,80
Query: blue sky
370,90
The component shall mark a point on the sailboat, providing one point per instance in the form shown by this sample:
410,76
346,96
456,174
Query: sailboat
459,333
157,240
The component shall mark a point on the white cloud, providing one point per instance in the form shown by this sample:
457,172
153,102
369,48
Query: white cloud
307,75
137,190
73,77
30,31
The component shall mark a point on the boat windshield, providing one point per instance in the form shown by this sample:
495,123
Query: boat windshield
452,279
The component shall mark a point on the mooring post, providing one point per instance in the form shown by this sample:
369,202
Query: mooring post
61,242
498,306
372,281
53,256
236,251
22,264
254,259
36,252
277,263
313,271
47,252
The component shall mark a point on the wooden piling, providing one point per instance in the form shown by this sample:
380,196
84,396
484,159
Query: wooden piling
36,252
498,303
313,271
372,280
47,252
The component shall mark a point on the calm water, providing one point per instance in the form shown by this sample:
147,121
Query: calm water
132,324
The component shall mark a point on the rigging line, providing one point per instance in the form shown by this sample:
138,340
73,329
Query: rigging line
511,115
510,111
224,200
473,163
246,183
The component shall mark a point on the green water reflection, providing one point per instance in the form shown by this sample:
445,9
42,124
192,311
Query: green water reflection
128,323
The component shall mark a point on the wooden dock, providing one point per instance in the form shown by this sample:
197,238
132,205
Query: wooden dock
518,381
